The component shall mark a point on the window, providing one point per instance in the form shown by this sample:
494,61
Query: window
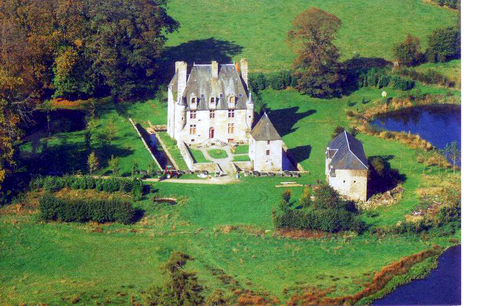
212,114
268,142
268,152
192,114
192,129
212,100
230,113
193,100
232,99
230,128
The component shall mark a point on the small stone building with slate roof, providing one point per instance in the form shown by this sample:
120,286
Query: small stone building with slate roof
347,167
266,147
210,102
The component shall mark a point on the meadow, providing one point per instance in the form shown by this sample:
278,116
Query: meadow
228,229
227,30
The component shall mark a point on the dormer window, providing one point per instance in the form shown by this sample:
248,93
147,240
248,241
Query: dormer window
232,101
193,101
212,103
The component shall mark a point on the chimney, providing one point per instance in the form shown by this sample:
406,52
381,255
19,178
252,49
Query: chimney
215,70
244,70
181,70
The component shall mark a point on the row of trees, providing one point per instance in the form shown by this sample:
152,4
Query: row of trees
443,45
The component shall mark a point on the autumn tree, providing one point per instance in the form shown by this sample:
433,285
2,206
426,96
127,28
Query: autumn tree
408,52
316,65
82,48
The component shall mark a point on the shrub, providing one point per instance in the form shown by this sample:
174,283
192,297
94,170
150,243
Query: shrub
328,212
83,210
114,184
444,45
408,52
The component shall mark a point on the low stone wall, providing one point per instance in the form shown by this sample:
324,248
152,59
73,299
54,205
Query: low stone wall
210,167
243,166
145,144
186,154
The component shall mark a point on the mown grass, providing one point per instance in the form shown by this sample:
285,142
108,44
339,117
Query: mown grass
217,153
241,149
229,30
241,158
173,150
198,156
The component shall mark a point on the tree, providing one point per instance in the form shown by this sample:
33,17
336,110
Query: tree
316,65
92,163
444,45
408,52
339,129
114,163
181,287
453,152
81,48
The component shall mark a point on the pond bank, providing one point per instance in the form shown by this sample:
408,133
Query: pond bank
441,285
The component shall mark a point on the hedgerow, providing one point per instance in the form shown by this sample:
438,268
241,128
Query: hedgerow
113,184
84,210
381,78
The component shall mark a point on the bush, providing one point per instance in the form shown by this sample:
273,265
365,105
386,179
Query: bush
444,45
83,210
381,78
114,184
328,212
408,52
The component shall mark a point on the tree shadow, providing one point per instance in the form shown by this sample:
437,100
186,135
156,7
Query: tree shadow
69,156
354,67
199,51
300,153
284,119
381,177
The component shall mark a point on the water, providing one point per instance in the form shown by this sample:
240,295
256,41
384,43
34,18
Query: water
440,125
441,287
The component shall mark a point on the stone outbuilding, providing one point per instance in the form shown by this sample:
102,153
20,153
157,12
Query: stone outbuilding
265,146
346,167
210,102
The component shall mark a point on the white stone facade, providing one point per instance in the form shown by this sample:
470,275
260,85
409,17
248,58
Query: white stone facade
266,155
212,102
350,183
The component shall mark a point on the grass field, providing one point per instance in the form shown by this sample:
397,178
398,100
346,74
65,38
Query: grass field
226,227
227,30
198,156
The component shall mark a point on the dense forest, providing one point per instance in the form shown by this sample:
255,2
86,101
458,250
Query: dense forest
75,49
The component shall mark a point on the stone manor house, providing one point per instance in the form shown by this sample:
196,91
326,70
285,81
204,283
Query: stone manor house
211,103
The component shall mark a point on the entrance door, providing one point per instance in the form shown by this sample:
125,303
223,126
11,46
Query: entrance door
211,133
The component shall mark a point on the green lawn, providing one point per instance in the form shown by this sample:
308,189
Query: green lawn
217,153
232,29
241,158
241,149
198,156
174,150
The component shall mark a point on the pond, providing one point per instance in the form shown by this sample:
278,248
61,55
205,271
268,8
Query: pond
440,124
441,287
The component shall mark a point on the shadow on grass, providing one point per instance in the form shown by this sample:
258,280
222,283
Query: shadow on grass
381,177
138,214
356,66
284,119
68,157
300,153
200,51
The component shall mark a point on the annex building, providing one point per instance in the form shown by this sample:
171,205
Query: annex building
346,167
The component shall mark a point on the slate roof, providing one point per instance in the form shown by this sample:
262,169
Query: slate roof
347,153
265,130
203,86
